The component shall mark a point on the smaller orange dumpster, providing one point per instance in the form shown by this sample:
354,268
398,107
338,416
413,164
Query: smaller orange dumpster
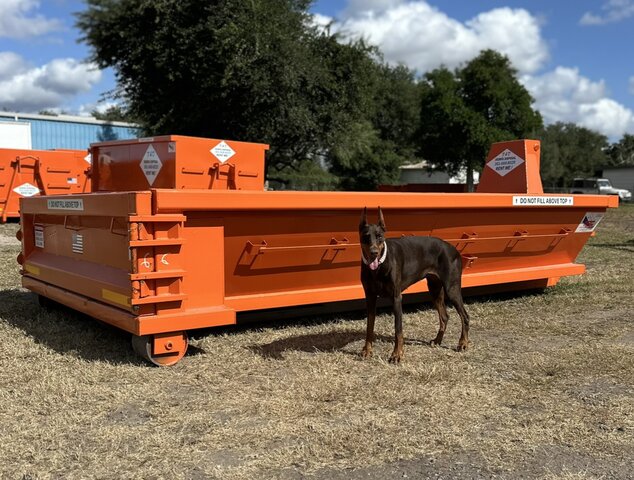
177,162
29,173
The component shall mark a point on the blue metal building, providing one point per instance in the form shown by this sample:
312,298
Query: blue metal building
68,132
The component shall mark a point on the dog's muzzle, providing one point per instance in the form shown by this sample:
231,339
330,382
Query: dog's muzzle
374,264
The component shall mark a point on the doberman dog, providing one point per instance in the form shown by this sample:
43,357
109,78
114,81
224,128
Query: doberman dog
391,265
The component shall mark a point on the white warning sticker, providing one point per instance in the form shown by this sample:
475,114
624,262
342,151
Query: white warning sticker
151,164
589,222
222,152
66,204
71,180
171,147
505,162
27,190
88,158
78,243
542,201
38,232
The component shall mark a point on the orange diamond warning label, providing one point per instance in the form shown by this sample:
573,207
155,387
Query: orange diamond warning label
151,164
222,152
505,162
27,190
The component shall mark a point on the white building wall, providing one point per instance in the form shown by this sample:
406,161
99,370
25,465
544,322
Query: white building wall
620,177
15,135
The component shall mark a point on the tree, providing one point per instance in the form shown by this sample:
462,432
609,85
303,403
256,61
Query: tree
621,154
114,113
370,152
569,151
251,70
465,111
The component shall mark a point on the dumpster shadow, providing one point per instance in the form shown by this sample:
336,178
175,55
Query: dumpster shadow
66,331
627,246
69,332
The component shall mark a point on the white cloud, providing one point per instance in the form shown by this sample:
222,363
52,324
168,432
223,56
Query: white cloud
320,20
67,76
613,11
86,109
25,88
423,37
11,64
563,95
18,21
357,7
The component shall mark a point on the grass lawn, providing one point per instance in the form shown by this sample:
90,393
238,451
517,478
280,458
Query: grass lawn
546,390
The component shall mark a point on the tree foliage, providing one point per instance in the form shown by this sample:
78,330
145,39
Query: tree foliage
621,154
369,153
252,70
463,112
114,113
569,151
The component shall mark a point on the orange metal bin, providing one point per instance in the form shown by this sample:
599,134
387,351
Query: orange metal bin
26,173
158,262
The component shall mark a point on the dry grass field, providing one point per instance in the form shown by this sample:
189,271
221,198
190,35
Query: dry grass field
546,391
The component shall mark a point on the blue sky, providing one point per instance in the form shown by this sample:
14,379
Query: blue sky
573,56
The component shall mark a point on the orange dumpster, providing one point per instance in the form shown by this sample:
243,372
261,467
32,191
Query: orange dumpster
198,250
27,173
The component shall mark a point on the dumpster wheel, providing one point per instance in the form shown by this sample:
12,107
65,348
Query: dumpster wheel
161,350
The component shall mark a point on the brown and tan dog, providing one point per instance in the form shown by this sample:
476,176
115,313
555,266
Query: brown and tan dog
389,266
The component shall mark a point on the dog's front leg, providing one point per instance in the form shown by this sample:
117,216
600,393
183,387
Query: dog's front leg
369,334
397,354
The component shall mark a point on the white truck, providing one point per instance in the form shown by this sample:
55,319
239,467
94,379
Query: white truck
599,186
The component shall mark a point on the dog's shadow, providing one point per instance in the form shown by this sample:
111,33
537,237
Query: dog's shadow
327,342
311,343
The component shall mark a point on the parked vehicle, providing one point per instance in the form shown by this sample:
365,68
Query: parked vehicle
599,186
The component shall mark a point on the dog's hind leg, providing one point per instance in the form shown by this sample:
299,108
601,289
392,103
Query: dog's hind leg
437,293
397,354
454,294
369,334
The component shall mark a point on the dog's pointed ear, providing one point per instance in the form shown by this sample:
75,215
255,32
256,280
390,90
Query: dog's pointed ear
381,219
364,218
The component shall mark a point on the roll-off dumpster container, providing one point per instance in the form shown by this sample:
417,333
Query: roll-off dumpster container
195,239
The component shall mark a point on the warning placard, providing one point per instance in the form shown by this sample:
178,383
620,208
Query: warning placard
589,222
222,152
151,164
65,204
505,162
27,190
38,233
542,201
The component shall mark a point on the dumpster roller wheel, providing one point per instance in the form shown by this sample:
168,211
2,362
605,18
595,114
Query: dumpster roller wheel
161,349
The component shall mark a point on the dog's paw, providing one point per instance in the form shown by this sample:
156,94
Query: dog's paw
396,357
365,352
435,342
462,346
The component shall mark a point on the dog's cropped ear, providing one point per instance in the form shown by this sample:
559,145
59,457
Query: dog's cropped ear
364,219
381,222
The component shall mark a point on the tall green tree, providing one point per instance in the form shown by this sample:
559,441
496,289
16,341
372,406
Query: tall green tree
370,152
621,153
253,70
463,112
569,150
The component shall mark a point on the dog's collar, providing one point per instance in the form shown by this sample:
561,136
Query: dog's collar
381,260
